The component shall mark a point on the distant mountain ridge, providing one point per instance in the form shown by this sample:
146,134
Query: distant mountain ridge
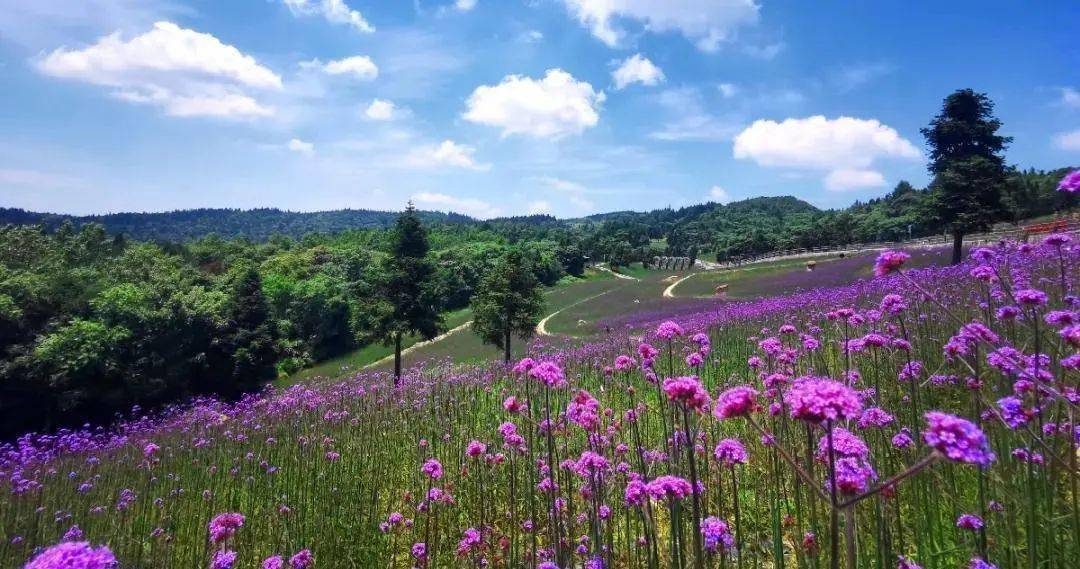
262,223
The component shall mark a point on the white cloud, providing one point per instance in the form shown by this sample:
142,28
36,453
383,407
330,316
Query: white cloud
186,73
719,195
637,69
766,52
855,76
728,90
464,5
531,36
335,11
552,107
706,22
690,120
1070,97
845,147
357,66
1068,140
382,110
447,153
444,202
301,147
539,207
845,179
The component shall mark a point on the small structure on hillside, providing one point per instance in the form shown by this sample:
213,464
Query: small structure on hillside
811,265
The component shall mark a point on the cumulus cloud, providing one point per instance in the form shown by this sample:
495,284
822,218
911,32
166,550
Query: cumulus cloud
301,147
334,11
357,66
185,72
552,107
445,202
845,148
447,153
1068,140
707,23
637,69
382,110
719,195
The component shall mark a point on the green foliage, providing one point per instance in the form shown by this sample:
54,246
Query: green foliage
508,301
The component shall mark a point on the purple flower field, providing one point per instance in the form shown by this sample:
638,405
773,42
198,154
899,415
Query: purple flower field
922,418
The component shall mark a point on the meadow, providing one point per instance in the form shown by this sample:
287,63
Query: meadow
919,417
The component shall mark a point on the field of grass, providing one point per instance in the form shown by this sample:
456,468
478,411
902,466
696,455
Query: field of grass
884,423
790,275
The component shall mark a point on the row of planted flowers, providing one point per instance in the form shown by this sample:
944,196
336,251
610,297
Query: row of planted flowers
807,430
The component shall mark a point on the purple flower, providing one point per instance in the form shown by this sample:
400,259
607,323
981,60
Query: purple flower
74,555
686,390
432,468
958,439
817,399
419,551
668,330
889,261
470,540
668,487
1012,411
1057,239
717,535
524,365
475,448
1070,184
1031,297
150,450
74,533
302,560
977,563
635,494
845,445
905,563
223,560
875,417
969,521
274,562
853,475
624,363
549,374
224,526
694,359
737,401
730,452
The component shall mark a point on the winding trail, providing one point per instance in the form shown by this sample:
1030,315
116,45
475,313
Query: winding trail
422,344
541,327
617,275
669,292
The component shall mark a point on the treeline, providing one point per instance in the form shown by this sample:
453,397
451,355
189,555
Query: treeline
92,324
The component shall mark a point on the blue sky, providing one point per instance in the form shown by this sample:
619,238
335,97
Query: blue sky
508,107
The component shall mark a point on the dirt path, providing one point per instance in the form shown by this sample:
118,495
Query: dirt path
422,344
617,275
669,292
541,327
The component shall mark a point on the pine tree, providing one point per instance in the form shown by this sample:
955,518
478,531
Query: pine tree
507,302
254,356
968,165
410,304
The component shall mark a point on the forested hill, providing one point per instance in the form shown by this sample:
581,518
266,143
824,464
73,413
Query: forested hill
255,224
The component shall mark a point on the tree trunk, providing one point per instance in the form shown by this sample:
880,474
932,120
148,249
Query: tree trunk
397,359
957,247
506,346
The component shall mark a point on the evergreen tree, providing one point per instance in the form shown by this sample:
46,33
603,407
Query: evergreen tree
968,165
508,302
410,303
254,356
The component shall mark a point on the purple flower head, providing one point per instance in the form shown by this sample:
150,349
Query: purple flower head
688,391
224,526
74,555
893,304
1013,412
977,563
1031,297
549,374
875,417
150,450
905,563
668,330
889,261
223,560
524,365
624,363
302,560
635,494
470,540
818,399
737,401
273,562
958,439
647,352
419,551
432,468
1057,239
475,449
694,359
969,521
853,475
1070,184
730,452
717,534
845,445
668,487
